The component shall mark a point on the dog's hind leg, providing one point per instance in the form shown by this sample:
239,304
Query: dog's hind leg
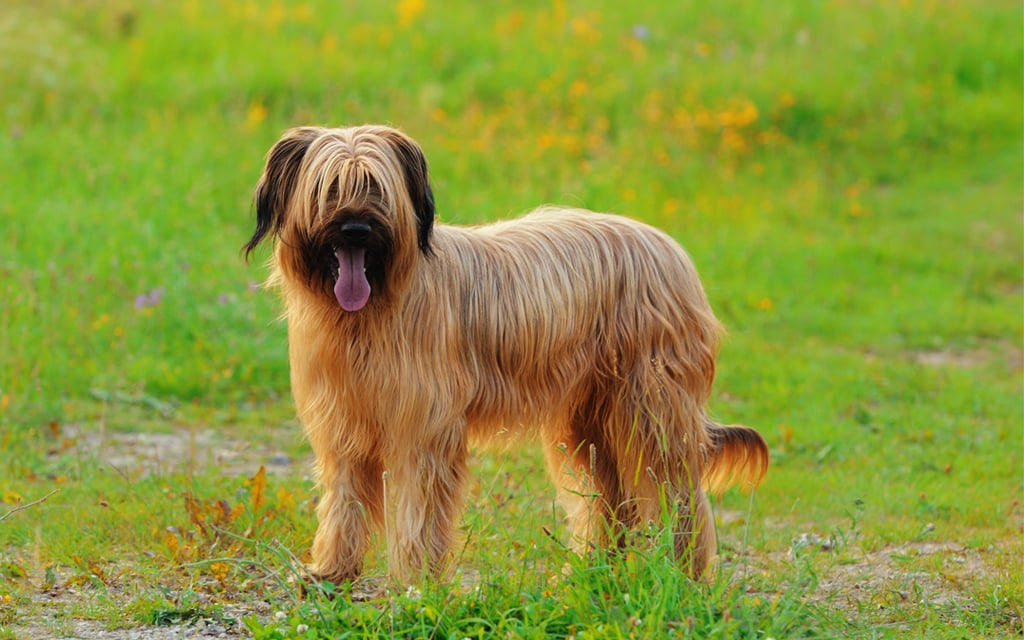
567,464
352,500
667,470
429,482
648,436
586,475
699,551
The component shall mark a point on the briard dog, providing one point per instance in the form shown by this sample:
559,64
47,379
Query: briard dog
408,340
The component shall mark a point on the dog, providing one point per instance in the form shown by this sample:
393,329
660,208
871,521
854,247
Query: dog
409,340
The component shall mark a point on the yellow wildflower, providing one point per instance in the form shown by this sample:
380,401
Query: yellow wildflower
409,10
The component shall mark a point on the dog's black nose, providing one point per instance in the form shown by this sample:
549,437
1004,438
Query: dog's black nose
355,231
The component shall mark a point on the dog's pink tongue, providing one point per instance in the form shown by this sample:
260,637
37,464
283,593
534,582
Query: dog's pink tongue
352,289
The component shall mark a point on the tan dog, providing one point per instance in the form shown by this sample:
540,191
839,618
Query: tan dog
409,340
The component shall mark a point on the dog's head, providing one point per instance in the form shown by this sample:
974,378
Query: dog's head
351,209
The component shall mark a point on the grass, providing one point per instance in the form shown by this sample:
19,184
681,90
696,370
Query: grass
847,177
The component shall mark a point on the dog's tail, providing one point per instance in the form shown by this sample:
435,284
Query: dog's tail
737,455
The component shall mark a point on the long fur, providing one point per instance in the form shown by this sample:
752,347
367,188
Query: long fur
590,331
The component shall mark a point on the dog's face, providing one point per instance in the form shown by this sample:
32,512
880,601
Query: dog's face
352,209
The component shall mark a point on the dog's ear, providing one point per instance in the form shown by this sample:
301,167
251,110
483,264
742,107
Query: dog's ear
417,183
278,181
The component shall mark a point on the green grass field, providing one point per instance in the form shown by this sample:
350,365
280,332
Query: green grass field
846,175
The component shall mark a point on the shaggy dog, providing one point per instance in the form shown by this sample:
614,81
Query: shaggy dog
409,340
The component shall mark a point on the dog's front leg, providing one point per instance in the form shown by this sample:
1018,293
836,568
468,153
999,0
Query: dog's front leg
429,482
351,500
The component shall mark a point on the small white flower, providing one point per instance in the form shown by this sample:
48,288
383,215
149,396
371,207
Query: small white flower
302,628
280,615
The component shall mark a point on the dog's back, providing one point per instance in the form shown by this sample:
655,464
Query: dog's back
550,301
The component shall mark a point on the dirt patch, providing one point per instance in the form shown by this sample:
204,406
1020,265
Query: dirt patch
895,573
913,577
971,358
185,449
52,623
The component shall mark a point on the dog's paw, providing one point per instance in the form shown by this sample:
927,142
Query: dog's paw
308,582
311,584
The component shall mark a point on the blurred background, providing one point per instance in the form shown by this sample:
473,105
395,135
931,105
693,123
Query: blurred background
817,159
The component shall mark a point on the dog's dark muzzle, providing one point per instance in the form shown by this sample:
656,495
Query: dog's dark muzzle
355,232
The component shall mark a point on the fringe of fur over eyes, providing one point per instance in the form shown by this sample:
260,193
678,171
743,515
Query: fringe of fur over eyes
410,339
